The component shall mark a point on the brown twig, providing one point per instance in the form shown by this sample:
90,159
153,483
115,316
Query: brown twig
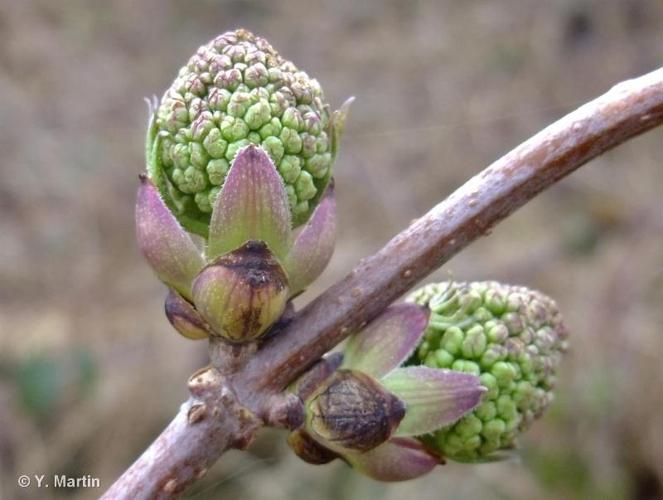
227,411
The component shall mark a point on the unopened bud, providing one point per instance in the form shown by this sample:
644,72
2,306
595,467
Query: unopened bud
242,293
512,338
354,411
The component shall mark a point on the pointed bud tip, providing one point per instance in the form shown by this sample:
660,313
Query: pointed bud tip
252,205
252,152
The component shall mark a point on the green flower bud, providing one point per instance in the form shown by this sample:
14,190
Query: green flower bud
513,338
234,129
305,186
216,171
234,91
214,143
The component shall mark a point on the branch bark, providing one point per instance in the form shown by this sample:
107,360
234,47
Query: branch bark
237,401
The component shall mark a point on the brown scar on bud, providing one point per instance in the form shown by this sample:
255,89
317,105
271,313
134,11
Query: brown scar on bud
262,275
256,264
260,270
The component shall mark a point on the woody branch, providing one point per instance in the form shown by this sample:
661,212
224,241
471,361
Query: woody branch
225,411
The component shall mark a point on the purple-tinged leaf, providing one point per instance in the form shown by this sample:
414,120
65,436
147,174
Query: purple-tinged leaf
184,318
314,245
387,341
166,246
252,205
433,397
242,293
398,459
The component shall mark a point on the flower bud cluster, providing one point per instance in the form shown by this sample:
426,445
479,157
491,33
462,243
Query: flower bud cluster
512,338
235,91
361,406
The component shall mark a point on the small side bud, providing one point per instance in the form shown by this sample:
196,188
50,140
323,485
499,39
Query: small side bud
184,317
354,411
242,293
308,449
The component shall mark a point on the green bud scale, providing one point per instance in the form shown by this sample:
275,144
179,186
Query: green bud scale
512,338
235,91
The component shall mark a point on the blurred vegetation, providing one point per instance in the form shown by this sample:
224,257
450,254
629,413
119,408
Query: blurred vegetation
89,369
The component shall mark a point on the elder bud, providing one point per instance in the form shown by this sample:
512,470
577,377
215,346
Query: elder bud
252,264
237,90
512,338
369,411
242,293
240,149
308,449
184,317
354,411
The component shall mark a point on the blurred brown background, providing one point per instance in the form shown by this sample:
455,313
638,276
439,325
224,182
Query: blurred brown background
90,370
